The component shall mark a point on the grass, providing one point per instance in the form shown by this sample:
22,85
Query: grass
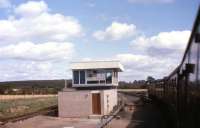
11,108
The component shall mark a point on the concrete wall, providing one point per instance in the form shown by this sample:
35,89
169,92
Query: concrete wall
109,100
74,104
79,103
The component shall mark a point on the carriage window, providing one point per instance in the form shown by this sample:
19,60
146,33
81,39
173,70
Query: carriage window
193,60
197,35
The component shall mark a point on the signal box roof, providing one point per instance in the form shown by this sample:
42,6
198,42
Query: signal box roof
97,65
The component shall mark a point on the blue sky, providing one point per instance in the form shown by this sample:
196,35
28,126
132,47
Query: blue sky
39,39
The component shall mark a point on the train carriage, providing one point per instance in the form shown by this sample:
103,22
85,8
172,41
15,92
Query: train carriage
181,89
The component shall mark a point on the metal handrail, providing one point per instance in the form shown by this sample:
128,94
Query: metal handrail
108,118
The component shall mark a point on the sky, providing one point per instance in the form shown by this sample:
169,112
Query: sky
39,39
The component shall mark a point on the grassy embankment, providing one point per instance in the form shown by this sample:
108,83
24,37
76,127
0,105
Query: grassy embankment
16,107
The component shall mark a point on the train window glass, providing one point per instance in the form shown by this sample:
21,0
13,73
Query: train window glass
183,77
197,35
193,60
198,75
185,61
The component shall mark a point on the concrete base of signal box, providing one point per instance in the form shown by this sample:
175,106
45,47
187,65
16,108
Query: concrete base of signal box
86,103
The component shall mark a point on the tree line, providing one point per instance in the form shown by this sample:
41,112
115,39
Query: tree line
54,86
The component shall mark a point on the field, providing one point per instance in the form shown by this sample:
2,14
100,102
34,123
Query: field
12,97
19,106
132,90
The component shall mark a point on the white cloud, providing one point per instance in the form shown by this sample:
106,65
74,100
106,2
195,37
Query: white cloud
116,31
38,52
33,70
164,43
33,43
139,62
41,27
140,66
5,4
31,8
156,55
151,1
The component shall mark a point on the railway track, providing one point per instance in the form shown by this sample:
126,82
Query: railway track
106,119
52,110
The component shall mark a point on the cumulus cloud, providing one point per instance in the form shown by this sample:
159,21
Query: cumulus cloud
33,43
153,56
140,61
156,55
38,52
32,70
164,43
35,23
140,66
151,1
116,31
5,4
31,8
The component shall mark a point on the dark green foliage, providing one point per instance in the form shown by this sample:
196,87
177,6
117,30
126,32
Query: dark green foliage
150,79
33,86
140,84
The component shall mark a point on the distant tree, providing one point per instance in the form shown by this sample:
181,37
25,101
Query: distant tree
150,79
33,86
136,84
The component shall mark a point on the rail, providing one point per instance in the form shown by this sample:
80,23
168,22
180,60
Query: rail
44,111
106,119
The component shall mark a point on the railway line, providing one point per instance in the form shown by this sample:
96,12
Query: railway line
134,111
52,110
140,112
129,101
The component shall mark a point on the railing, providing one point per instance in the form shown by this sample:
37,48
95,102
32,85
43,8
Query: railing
106,119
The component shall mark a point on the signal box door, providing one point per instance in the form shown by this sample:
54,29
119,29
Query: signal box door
96,103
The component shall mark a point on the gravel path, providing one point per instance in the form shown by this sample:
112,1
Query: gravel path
137,114
142,115
53,122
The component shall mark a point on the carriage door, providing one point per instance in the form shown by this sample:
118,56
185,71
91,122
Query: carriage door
182,100
183,92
